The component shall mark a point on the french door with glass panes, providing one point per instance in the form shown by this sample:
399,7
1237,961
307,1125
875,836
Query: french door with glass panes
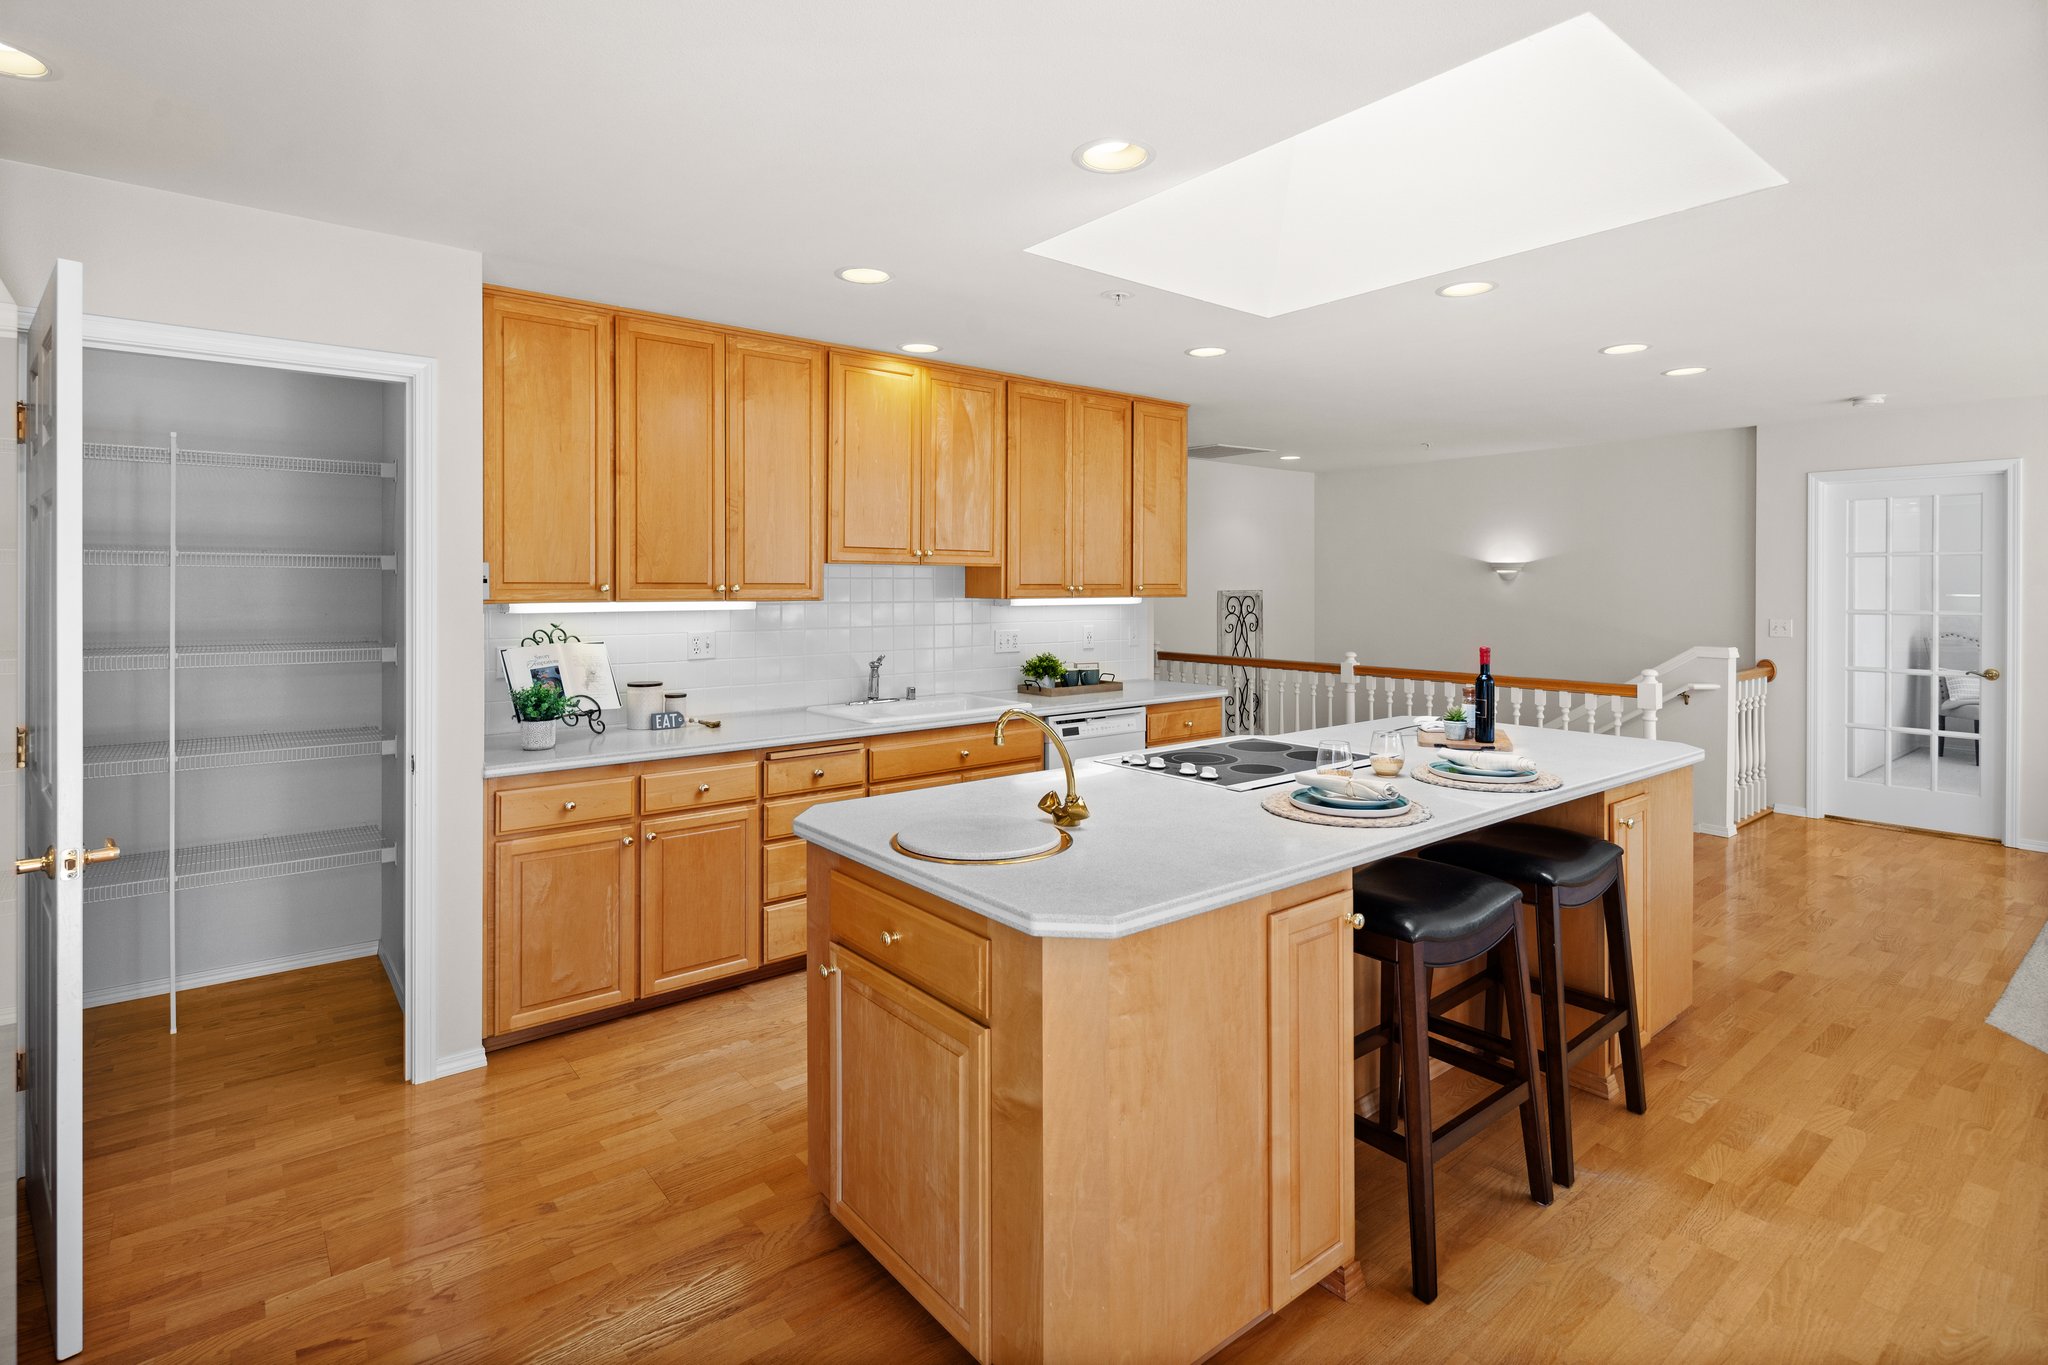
1910,692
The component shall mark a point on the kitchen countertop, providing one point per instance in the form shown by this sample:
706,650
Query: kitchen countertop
1157,849
783,729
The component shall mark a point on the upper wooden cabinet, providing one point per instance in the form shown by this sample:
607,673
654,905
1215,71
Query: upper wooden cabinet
671,460
1068,496
547,449
916,464
1101,518
1159,459
775,469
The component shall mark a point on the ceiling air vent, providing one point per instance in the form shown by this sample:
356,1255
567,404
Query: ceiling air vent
1224,452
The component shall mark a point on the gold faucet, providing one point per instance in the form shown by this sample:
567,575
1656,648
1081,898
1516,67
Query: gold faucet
1071,811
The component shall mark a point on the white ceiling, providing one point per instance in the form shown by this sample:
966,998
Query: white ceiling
721,160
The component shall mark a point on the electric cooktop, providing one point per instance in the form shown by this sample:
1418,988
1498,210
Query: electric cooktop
1237,764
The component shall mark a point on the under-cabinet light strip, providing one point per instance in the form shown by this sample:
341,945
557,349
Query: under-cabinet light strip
578,608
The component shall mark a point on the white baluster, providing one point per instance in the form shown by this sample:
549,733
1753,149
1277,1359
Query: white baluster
1351,688
1616,707
1650,699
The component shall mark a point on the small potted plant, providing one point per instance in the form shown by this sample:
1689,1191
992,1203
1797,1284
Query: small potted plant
1454,723
538,708
1044,671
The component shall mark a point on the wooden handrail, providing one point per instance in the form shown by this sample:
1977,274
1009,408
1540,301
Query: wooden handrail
1762,668
1603,689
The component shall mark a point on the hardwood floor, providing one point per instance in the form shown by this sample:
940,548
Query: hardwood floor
1841,1162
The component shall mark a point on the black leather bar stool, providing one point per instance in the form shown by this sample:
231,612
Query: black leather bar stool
1554,870
1419,916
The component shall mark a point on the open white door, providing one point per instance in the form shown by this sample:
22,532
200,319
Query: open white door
53,802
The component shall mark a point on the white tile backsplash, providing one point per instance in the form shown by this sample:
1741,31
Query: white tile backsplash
785,654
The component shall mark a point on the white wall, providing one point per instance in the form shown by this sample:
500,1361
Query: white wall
197,263
814,653
1247,528
1635,552
1877,438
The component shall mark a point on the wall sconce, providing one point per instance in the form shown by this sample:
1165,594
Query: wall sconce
1507,572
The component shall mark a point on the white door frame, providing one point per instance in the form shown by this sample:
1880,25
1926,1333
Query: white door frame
419,375
1817,485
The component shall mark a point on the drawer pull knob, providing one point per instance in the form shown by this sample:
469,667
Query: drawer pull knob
1629,823
568,805
1355,920
721,587
817,772
890,936
604,587
823,970
627,840
703,787
1190,725
652,835
964,753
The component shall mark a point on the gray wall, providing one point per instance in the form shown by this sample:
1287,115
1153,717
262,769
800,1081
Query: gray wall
1635,552
1247,528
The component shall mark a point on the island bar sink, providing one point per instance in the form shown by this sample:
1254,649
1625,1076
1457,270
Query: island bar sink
890,711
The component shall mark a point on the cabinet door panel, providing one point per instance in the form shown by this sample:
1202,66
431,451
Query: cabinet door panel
671,461
775,469
562,925
547,450
1159,446
1308,995
1628,825
1041,457
961,506
877,428
700,904
909,1105
1102,511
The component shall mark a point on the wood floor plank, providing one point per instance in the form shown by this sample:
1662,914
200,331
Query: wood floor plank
1841,1162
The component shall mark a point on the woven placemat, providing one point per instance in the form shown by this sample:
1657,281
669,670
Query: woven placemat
1541,782
1279,805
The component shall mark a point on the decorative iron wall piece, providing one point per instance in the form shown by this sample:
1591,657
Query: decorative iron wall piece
1241,633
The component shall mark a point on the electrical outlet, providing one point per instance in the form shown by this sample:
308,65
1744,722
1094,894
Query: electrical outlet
1780,629
1009,642
703,646
1088,637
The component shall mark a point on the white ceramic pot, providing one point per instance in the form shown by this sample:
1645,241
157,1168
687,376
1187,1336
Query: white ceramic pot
1455,729
536,734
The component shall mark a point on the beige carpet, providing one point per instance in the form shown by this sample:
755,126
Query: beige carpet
2023,1010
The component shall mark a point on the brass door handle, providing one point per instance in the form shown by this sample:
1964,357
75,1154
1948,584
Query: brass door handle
604,587
650,836
721,587
47,864
1988,675
890,936
1355,920
105,853
1141,587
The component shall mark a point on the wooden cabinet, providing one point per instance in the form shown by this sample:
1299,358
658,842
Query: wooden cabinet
956,751
1159,536
907,1151
563,925
775,469
1102,496
671,465
1184,722
547,449
699,900
916,464
1069,496
1309,1037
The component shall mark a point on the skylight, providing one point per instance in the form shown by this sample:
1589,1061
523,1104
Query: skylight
1563,134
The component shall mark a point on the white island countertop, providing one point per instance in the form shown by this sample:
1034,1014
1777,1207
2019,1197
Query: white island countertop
576,747
1157,849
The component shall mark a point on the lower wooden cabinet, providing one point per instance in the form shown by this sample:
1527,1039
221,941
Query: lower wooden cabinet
1184,722
699,898
1308,995
908,1151
564,925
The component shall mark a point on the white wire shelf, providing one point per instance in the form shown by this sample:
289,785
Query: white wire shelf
113,557
233,459
122,658
147,873
236,751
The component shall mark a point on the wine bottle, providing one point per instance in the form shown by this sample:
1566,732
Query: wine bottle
1482,698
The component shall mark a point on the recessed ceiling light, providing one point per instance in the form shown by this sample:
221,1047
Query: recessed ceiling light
15,62
864,274
1204,352
1467,289
1112,156
919,347
1290,457
1625,348
1684,370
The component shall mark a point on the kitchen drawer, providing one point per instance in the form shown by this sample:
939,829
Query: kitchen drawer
710,785
783,931
1187,721
950,962
816,772
911,784
1033,765
781,815
563,804
782,869
946,751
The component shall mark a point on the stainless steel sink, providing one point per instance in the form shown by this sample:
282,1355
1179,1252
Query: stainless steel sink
888,711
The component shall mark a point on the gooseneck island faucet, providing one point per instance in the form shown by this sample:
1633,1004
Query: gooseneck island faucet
1071,811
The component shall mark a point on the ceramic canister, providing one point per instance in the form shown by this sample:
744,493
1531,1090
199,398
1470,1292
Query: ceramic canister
643,699
678,702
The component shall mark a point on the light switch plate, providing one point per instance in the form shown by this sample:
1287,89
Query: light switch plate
1780,629
1009,642
703,646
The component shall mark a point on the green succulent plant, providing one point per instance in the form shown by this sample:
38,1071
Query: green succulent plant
1455,714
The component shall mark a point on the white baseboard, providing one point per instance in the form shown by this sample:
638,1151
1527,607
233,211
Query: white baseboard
141,990
6,1018
1718,831
1799,811
2030,845
457,1063
393,975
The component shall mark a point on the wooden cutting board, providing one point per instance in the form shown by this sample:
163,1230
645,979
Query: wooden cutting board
1434,739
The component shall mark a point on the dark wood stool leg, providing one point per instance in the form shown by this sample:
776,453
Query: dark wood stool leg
1511,970
1414,1006
1491,1020
1621,971
1557,1071
1389,1102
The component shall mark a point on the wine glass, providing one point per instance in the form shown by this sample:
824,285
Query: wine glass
1333,759
1386,753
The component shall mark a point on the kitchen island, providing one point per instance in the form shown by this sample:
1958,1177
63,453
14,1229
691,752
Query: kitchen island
1098,1105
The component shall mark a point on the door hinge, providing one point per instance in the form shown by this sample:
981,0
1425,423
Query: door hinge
21,746
20,422
20,1070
